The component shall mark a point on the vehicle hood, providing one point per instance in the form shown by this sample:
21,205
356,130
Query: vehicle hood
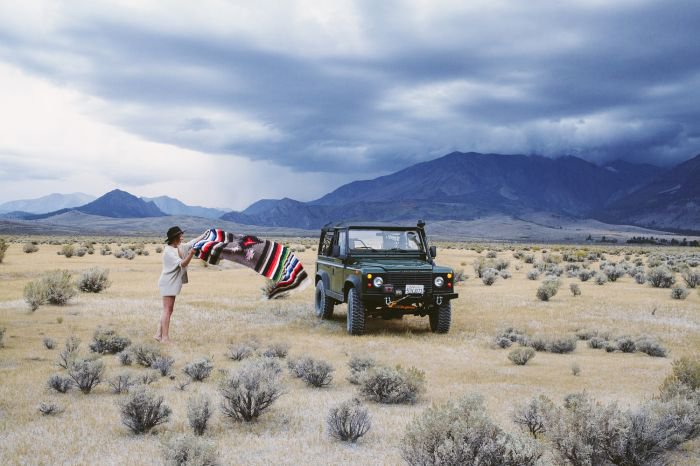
393,264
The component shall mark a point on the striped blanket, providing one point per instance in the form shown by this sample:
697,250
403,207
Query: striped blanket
268,258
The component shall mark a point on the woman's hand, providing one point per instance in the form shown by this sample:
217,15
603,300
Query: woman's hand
186,261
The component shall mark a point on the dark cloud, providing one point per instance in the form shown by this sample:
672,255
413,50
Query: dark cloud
595,80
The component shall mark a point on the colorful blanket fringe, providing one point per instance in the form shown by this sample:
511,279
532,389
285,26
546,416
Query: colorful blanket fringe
269,258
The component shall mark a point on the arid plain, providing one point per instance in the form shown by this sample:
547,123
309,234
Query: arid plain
224,305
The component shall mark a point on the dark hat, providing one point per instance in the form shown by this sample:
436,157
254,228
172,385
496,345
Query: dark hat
173,232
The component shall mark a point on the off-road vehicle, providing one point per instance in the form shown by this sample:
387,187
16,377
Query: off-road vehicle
384,271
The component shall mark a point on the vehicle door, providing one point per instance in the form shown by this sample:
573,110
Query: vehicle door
338,254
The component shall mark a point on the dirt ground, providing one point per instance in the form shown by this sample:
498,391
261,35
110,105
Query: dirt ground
224,305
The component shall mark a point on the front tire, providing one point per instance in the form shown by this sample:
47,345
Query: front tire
324,303
356,313
440,318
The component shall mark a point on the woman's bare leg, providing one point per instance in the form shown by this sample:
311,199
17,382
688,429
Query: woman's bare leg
164,325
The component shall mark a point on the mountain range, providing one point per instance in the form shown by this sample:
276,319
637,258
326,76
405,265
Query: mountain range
468,186
458,186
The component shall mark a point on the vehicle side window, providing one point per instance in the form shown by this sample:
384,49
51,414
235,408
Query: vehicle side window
342,243
327,243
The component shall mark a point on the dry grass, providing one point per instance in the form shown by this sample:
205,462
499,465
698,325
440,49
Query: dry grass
221,306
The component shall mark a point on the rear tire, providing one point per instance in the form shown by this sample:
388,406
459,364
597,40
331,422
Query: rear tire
440,318
356,313
324,303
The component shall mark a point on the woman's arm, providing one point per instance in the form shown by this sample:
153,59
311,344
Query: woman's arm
186,261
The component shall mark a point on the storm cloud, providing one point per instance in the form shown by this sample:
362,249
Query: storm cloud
368,87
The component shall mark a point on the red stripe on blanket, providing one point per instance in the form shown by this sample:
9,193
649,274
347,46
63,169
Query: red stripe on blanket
272,266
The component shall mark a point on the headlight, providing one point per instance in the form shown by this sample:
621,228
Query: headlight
439,281
377,282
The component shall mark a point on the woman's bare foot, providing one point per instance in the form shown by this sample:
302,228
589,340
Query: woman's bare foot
156,337
165,340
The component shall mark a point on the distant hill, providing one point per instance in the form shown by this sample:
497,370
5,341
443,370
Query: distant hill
115,204
172,206
49,203
464,186
669,201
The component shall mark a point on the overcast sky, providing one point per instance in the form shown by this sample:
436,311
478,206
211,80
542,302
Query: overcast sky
220,103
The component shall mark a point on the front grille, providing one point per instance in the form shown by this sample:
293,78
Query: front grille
402,279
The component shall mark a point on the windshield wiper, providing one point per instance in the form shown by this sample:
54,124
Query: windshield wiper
367,247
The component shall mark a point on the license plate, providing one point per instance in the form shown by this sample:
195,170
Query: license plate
414,289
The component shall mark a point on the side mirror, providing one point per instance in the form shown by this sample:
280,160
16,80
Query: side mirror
433,251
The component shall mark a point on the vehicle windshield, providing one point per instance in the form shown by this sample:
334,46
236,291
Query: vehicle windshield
384,240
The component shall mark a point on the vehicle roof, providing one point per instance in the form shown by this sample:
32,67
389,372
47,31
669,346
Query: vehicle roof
386,225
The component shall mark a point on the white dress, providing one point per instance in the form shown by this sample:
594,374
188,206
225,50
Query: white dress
174,274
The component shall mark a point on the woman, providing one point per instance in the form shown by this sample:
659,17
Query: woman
176,258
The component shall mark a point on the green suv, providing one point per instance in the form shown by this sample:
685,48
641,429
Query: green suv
383,271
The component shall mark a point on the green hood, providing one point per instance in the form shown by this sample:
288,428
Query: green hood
390,264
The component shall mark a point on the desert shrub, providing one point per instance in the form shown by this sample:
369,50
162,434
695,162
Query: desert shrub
537,342
198,370
187,450
575,368
660,277
57,287
125,358
94,280
684,377
600,278
504,274
348,421
679,293
49,408
68,250
142,410
613,272
276,350
584,275
533,415
521,356
691,278
533,274
147,378
548,289
561,345
585,432
489,276
121,383
503,342
640,278
145,354
491,254
159,249
86,373
239,351
512,334
650,346
461,433
460,276
49,343
315,372
30,247
3,249
575,289
106,341
393,385
59,383
250,391
501,264
34,294
163,364
105,250
69,352
597,343
198,413
586,333
81,251
626,345
359,365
